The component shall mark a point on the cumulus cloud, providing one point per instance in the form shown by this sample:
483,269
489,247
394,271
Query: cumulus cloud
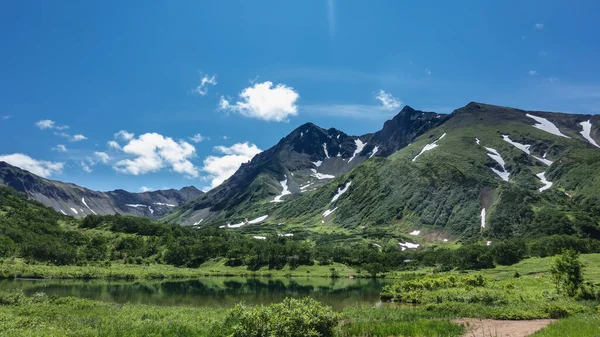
220,168
197,138
40,167
146,189
77,138
202,88
60,148
532,73
102,157
4,117
71,138
152,152
124,135
50,124
538,26
264,101
387,100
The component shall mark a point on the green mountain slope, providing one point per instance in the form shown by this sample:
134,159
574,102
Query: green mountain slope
443,192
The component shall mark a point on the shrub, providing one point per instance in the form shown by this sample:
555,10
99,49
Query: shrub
567,272
290,318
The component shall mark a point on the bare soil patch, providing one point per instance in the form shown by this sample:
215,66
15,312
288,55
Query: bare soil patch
500,328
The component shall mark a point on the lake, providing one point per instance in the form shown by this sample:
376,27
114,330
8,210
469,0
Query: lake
211,291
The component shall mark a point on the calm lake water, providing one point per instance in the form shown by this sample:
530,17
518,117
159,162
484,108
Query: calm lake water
211,291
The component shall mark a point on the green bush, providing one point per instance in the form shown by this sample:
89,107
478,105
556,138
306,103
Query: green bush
290,318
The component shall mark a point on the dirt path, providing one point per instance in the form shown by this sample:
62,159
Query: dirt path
496,328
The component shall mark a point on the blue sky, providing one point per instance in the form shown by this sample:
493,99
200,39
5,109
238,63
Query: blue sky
243,74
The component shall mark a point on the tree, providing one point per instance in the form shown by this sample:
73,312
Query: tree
567,272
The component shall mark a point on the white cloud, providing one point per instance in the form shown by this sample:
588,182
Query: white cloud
124,135
113,145
152,152
50,124
550,79
427,71
40,167
206,80
220,168
74,138
538,26
532,73
86,168
197,138
5,117
225,137
103,157
146,189
388,101
265,101
60,148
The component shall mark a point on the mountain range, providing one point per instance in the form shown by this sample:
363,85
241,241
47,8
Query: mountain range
78,201
482,172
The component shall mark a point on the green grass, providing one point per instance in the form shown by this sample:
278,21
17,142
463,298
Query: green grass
20,269
583,325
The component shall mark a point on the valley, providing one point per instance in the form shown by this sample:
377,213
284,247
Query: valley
454,216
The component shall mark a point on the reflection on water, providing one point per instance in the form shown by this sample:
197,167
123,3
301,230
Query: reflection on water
211,291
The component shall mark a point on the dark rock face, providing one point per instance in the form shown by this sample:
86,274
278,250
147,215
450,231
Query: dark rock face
77,201
404,128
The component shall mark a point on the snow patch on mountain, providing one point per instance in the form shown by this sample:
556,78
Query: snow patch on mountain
547,184
341,191
243,223
163,204
504,174
286,235
415,232
586,132
359,147
285,191
63,212
522,147
544,160
150,209
260,237
74,210
88,207
136,205
198,222
408,245
477,141
318,175
328,212
546,125
258,220
317,163
483,218
325,149
375,149
429,147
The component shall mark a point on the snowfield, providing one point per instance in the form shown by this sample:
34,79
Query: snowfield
285,191
498,158
258,220
63,212
136,205
317,163
328,212
429,147
586,133
546,125
477,141
198,222
341,191
150,209
286,235
74,210
522,147
243,223
359,147
547,184
319,176
483,218
544,160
